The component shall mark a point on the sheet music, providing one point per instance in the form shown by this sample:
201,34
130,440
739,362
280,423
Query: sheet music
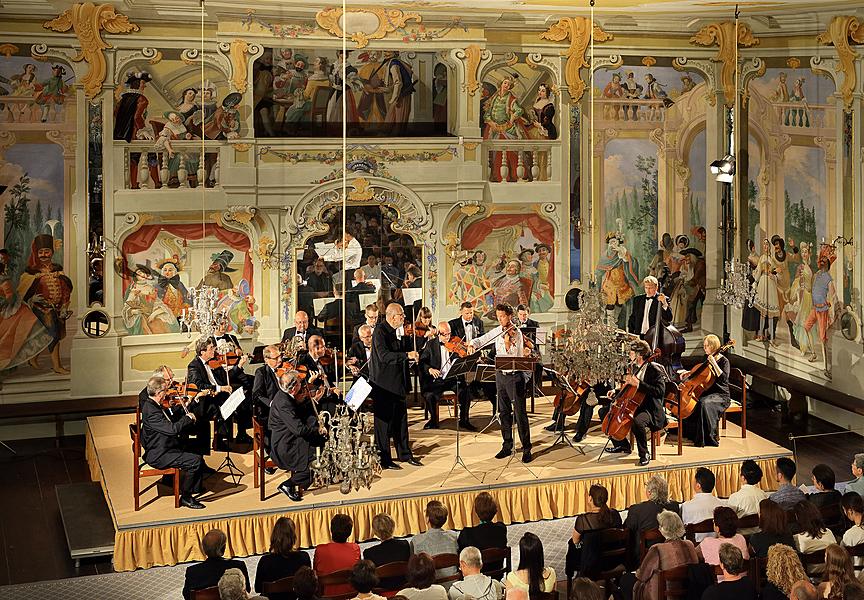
358,393
411,295
367,299
230,405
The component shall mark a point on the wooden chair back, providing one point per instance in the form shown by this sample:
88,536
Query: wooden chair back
706,526
673,583
648,538
748,522
832,516
395,573
446,561
738,391
284,587
856,551
494,556
211,593
812,559
553,595
259,457
139,468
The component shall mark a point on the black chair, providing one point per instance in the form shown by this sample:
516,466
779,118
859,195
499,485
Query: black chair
811,560
496,556
553,595
706,526
211,593
612,546
281,589
833,517
856,551
673,584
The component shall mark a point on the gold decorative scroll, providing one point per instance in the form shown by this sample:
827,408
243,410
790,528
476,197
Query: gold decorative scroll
88,20
238,52
473,53
840,31
579,31
723,35
8,50
388,20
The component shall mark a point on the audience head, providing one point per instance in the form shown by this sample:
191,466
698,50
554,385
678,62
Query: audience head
470,561
531,560
213,543
785,470
858,465
600,499
305,583
784,567
383,526
657,489
436,514
772,518
340,527
703,481
583,589
803,590
671,526
853,591
232,585
853,505
725,521
823,477
731,559
421,571
485,507
751,472
283,538
809,519
363,577
838,566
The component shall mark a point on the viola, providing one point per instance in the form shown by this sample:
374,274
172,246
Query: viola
627,400
698,379
227,360
457,346
569,402
330,355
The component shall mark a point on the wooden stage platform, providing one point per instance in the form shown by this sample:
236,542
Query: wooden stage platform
159,534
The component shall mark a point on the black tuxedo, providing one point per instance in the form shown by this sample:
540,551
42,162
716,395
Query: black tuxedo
294,430
163,447
388,374
291,332
650,414
208,573
208,407
457,327
264,389
239,377
634,325
352,297
358,351
432,388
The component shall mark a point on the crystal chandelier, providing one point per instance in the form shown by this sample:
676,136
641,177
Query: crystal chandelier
203,316
588,348
735,289
348,457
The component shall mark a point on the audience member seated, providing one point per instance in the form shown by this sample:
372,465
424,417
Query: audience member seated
306,584
487,534
853,591
701,506
583,550
823,481
338,555
857,484
725,532
208,573
804,590
232,586
838,572
734,583
421,574
814,536
746,500
773,529
364,580
783,570
390,550
282,560
643,516
787,495
532,575
853,506
585,589
435,540
474,584
674,552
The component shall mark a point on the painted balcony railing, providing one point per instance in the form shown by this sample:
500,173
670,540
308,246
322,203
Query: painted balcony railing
620,109
800,115
146,166
25,109
519,160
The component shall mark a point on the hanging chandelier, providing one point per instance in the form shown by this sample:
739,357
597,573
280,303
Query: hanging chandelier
203,316
349,457
735,288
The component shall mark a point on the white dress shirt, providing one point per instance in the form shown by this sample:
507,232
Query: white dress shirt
469,331
700,508
516,349
746,500
646,321
209,372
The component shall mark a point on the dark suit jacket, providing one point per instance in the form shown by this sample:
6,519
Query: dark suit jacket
430,358
208,573
292,426
827,498
196,374
264,388
483,537
352,298
358,351
160,435
292,331
634,325
457,329
654,386
388,366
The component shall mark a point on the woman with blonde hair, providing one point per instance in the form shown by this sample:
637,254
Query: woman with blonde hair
784,569
838,572
701,425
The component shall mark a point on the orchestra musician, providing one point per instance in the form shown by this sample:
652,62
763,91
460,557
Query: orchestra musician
163,371
413,279
360,352
371,314
435,361
650,378
423,328
204,378
510,386
238,378
466,327
301,328
701,425
264,389
295,430
388,374
352,297
321,374
160,438
644,314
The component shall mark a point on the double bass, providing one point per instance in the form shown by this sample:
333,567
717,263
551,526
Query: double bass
625,403
668,340
700,378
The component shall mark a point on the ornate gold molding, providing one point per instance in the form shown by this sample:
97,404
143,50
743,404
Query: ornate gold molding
362,190
579,31
88,20
724,35
238,52
839,32
473,54
388,20
8,50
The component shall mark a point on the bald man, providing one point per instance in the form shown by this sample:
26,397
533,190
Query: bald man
435,361
301,328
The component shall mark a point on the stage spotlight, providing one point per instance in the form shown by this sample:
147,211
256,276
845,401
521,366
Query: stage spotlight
724,169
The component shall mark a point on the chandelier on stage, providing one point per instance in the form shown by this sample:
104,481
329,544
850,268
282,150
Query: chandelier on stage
348,457
203,316
735,289
588,348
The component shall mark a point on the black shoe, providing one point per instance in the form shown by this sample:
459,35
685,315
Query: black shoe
527,457
503,453
643,462
393,466
290,490
270,470
208,470
619,450
414,462
190,502
430,425
466,426
578,438
552,427
243,438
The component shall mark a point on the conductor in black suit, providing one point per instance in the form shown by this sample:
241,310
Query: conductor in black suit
435,361
160,438
264,389
208,573
301,328
199,374
388,374
644,314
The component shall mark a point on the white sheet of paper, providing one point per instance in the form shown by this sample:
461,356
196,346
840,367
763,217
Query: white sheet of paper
318,304
358,393
327,251
412,295
230,405
375,282
367,299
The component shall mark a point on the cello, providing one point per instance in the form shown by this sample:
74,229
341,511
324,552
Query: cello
698,379
569,402
625,403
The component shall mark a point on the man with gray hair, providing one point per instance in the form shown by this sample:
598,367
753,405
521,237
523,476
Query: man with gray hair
735,583
644,308
474,584
857,484
643,516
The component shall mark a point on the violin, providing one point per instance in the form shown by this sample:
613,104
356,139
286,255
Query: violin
330,356
626,402
696,381
457,346
420,329
569,402
183,394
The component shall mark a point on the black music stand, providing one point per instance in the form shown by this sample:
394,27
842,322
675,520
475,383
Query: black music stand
458,368
228,463
524,365
559,425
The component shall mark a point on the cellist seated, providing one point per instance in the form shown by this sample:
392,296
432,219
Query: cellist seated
701,425
650,379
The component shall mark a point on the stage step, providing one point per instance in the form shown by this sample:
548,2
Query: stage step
86,520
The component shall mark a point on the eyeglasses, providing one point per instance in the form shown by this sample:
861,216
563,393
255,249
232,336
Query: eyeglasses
440,334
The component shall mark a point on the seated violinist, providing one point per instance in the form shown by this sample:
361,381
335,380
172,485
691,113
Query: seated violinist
165,373
238,378
359,353
435,361
318,362
205,377
701,425
265,387
423,329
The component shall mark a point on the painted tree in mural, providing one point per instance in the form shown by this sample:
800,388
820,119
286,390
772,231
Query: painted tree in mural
800,220
642,225
17,231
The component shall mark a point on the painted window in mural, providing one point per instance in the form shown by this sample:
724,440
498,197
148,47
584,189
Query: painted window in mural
164,261
301,92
